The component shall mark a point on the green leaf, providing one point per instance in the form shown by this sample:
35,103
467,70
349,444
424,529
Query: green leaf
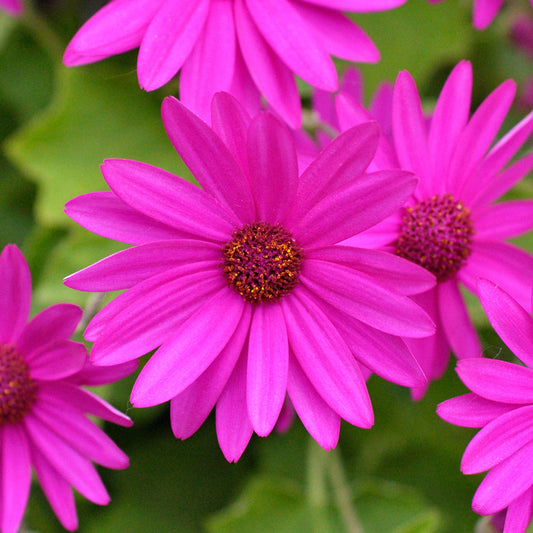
94,116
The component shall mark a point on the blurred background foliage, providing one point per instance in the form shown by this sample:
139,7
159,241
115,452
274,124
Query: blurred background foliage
56,127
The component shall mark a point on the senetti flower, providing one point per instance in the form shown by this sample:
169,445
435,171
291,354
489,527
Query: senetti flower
485,11
43,408
247,47
239,286
13,7
501,403
452,225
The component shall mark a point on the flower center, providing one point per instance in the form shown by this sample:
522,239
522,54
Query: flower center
436,234
18,391
262,262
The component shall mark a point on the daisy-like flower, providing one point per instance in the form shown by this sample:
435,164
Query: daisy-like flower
501,403
246,47
13,7
452,225
239,286
43,408
484,11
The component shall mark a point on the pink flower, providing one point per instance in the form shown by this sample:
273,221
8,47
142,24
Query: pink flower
246,47
501,403
240,284
43,407
485,11
453,225
13,7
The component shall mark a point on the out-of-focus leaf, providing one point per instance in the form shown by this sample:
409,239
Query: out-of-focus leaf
94,116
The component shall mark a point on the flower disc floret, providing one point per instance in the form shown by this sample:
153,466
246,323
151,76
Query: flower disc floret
262,262
18,391
437,233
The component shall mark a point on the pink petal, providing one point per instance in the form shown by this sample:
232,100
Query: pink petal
472,411
57,491
355,207
182,358
57,360
134,265
510,320
478,135
449,119
326,360
497,380
505,220
362,297
15,294
343,161
230,121
79,432
204,73
268,364
410,132
234,429
519,513
168,41
457,325
339,35
505,264
360,6
107,215
244,89
76,469
168,199
272,77
498,440
190,408
56,322
293,40
143,317
390,270
505,482
95,376
117,27
208,158
16,475
322,423
273,167
485,11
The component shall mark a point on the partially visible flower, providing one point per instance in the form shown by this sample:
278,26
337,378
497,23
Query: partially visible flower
13,7
501,403
240,288
485,11
43,408
246,47
453,225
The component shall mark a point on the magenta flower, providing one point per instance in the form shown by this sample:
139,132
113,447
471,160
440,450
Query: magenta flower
501,403
246,47
13,7
452,225
240,286
485,11
43,407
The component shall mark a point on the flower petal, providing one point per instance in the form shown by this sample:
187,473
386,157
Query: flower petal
16,475
107,215
15,294
57,360
273,167
190,408
168,199
485,12
320,420
362,297
519,513
497,380
359,6
234,429
181,359
268,364
504,220
209,159
510,320
168,41
326,360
